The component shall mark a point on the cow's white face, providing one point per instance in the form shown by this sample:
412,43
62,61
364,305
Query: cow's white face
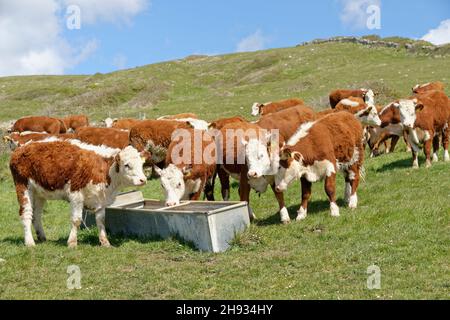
369,97
257,156
172,181
407,110
369,116
129,166
109,122
256,109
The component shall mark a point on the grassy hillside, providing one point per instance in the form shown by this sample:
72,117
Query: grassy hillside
402,224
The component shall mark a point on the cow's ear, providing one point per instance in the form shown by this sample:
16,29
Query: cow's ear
145,156
117,162
187,171
419,107
396,104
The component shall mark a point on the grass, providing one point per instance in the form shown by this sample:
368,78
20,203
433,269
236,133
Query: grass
402,224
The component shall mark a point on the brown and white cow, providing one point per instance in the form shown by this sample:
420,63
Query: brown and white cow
317,151
109,137
39,124
16,140
190,167
430,86
124,124
155,137
426,118
85,176
74,122
263,109
220,123
337,95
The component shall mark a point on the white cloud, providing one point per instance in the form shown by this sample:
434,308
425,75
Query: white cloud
254,42
120,61
440,35
354,12
32,39
115,11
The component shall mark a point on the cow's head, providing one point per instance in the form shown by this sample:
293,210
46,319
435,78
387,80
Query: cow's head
408,109
12,143
259,156
109,122
256,109
178,183
290,169
129,166
369,116
369,97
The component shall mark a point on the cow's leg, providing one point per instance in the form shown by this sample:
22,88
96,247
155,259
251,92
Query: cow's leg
436,148
406,139
330,189
284,214
415,156
394,141
353,176
224,178
25,199
76,218
38,208
100,220
209,188
244,192
427,149
445,142
306,195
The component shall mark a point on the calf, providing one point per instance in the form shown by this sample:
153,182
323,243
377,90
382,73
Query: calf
190,167
419,89
39,124
16,140
426,118
109,137
272,107
74,122
85,176
317,151
337,95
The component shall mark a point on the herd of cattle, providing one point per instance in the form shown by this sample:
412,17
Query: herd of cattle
87,166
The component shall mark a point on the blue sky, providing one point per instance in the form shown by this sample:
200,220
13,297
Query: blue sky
118,34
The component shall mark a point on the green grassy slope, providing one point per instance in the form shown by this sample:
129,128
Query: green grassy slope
402,224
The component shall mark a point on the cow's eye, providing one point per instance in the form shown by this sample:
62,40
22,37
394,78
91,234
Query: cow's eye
127,166
179,185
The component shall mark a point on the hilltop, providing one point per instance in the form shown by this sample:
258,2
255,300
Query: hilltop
229,84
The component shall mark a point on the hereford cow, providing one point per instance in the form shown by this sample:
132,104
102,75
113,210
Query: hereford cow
85,176
179,116
109,137
272,107
426,118
419,89
124,124
337,95
155,137
74,122
220,123
190,167
365,113
39,124
16,140
317,151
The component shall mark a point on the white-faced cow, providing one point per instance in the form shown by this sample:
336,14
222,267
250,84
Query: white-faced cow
317,151
263,109
190,167
86,176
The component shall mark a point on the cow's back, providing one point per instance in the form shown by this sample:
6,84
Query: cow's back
110,137
39,124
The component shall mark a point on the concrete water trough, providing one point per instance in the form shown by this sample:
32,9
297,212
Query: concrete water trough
210,226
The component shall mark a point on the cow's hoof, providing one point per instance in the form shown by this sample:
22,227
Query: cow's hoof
301,214
72,245
428,164
286,222
334,210
30,244
105,243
